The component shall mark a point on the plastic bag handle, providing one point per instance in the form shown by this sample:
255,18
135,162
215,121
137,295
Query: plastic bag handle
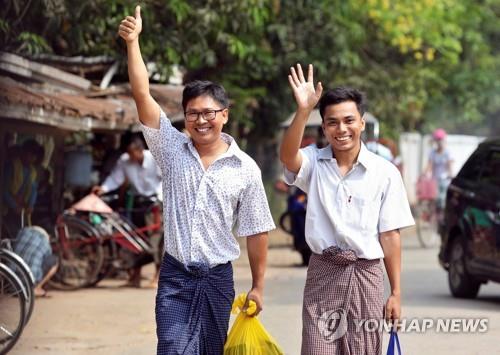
394,340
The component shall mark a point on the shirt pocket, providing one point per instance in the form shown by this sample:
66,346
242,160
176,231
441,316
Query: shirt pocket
365,213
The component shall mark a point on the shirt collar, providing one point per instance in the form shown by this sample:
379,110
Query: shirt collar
233,149
134,163
364,158
325,153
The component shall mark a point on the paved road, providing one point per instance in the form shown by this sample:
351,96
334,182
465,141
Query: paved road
113,320
426,295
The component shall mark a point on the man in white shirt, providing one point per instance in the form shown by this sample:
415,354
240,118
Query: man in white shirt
356,205
138,168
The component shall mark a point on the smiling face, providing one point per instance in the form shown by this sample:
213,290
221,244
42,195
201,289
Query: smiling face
203,131
342,125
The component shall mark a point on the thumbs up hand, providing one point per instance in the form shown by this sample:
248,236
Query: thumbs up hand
130,27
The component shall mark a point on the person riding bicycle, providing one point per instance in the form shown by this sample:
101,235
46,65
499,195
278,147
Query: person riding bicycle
440,165
137,167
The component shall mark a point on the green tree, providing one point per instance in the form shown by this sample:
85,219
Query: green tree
422,63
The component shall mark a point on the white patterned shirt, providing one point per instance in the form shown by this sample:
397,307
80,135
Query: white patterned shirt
202,207
350,211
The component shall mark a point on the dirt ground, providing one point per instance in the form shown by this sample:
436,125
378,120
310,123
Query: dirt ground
112,320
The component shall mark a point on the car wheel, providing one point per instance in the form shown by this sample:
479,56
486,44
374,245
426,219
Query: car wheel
462,284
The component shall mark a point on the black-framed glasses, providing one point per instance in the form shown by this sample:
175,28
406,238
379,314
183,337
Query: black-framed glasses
209,115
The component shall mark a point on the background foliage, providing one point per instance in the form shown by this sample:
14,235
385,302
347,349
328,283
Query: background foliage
423,64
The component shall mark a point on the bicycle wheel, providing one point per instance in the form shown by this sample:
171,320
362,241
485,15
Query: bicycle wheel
427,223
107,264
285,222
23,272
12,308
80,254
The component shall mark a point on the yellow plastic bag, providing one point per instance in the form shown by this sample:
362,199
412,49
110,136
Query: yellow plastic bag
247,335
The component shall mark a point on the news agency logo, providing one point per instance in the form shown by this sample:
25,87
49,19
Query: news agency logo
332,324
422,325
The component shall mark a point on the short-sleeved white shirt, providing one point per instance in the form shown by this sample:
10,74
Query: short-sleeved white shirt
201,208
350,211
145,177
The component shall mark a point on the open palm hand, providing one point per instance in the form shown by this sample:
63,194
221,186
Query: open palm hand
306,95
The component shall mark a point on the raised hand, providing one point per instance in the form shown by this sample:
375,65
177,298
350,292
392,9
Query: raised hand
305,94
130,27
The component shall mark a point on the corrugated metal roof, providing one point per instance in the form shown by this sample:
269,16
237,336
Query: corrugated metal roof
40,93
77,111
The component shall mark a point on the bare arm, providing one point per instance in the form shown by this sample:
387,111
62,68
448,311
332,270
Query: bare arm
428,169
115,179
449,167
289,151
257,256
147,108
306,97
391,245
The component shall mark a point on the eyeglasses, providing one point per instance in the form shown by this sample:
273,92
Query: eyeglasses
208,115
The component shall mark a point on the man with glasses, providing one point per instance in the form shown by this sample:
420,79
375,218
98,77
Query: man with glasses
210,187
208,115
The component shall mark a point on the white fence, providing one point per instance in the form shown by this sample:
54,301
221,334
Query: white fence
415,148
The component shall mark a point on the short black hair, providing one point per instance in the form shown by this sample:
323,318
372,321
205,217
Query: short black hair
342,94
198,88
31,146
132,140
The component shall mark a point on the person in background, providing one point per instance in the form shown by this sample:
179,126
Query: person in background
439,166
21,185
138,168
393,147
377,147
106,149
33,246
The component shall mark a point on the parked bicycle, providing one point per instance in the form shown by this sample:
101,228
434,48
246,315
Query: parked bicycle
93,244
16,296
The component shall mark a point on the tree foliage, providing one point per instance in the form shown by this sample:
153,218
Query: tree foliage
422,63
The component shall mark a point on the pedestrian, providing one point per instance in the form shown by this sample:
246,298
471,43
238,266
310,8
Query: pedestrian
138,168
356,205
210,187
439,166
21,180
32,244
